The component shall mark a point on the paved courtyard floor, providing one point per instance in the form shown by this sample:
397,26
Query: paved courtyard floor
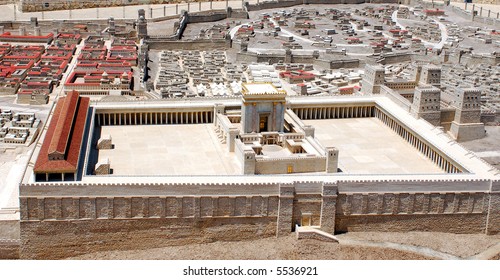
168,150
367,146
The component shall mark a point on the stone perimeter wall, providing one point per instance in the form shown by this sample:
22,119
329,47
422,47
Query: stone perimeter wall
39,5
60,220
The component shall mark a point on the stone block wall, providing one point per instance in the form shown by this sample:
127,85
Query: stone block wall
76,208
219,44
493,218
457,212
74,223
61,239
455,223
9,249
309,204
298,165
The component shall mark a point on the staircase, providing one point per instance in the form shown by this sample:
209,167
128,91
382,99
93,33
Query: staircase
314,232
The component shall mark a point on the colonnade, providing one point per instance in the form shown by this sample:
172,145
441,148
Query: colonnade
334,112
142,118
416,142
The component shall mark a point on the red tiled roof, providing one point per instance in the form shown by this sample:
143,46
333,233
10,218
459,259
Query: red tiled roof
62,130
75,130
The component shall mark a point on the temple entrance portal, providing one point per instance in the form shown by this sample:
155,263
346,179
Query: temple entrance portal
263,125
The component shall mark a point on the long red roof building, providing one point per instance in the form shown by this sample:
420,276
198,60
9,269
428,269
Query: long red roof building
61,148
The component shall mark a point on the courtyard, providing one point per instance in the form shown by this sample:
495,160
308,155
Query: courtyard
168,150
367,146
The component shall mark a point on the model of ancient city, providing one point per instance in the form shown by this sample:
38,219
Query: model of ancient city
324,124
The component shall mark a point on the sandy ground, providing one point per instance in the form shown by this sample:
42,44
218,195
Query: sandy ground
460,245
290,248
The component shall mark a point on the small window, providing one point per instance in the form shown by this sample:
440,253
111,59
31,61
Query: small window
290,169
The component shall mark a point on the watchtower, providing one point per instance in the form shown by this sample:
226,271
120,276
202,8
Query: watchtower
427,104
372,79
431,75
467,124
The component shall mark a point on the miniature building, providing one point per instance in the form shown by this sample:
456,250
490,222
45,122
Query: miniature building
60,152
426,104
142,25
372,79
467,124
434,12
263,108
430,75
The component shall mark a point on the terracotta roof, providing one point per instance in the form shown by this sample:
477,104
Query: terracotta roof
62,130
75,132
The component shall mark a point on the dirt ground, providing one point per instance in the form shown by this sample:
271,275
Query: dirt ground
289,248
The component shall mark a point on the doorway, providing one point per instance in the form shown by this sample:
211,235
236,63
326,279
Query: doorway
263,123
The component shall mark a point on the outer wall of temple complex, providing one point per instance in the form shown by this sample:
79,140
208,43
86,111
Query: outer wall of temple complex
61,219
41,5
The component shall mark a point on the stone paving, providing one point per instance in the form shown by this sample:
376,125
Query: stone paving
168,150
367,146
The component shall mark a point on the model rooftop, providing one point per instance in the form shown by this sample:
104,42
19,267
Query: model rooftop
252,89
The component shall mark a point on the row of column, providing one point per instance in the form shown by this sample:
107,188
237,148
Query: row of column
421,146
140,118
334,112
55,177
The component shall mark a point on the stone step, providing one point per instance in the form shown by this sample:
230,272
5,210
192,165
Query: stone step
312,232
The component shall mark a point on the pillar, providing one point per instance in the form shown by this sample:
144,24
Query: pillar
285,209
328,207
493,218
332,160
231,137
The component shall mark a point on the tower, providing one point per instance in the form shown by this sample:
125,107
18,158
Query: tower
467,123
372,79
415,74
111,26
332,160
431,75
426,104
142,25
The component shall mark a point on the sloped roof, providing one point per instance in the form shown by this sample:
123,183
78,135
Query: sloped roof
64,135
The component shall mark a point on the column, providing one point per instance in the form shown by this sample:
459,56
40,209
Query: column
328,208
285,210
197,206
493,218
41,208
